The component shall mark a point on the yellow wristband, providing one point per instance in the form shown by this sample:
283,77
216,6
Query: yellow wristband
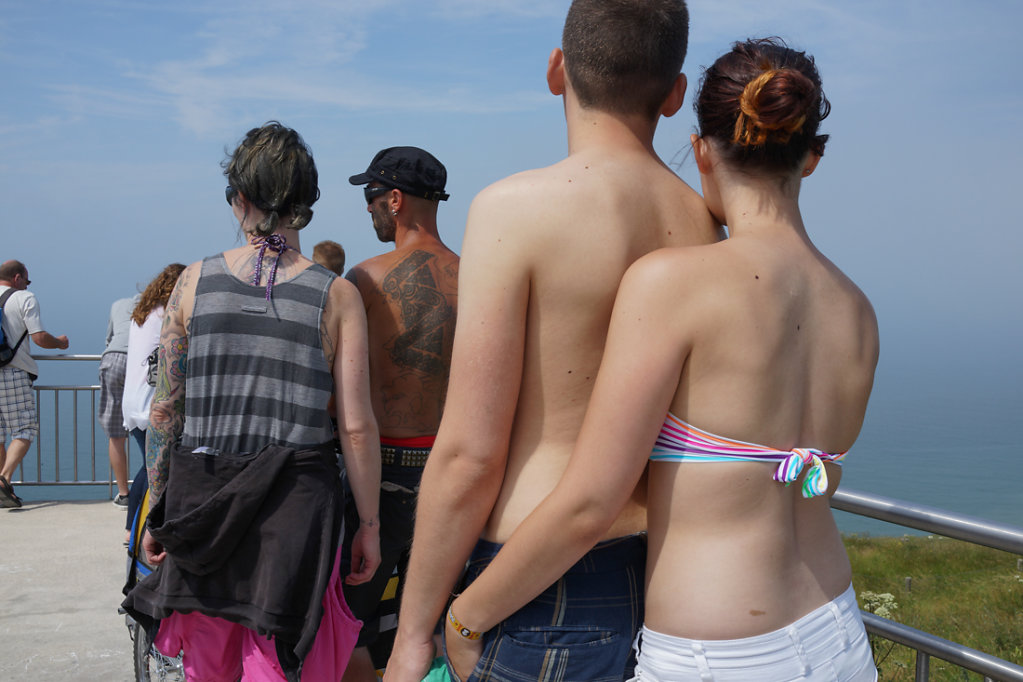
461,629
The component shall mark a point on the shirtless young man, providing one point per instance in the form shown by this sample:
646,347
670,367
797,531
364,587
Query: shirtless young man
410,299
543,255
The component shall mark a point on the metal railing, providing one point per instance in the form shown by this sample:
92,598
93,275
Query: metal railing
82,432
959,527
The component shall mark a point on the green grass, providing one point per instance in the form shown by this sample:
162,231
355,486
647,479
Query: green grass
961,592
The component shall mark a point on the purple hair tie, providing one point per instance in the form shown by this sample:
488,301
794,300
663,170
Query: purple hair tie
275,243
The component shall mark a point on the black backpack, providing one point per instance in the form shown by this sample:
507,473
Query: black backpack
6,352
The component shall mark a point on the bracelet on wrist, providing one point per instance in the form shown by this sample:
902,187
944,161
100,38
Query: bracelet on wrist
461,629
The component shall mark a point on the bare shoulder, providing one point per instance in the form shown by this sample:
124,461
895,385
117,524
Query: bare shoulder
370,275
190,274
508,223
524,194
515,185
369,270
183,294
851,292
343,293
528,217
863,304
686,263
344,304
866,318
683,271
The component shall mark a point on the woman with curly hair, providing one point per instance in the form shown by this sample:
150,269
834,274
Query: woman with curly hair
143,338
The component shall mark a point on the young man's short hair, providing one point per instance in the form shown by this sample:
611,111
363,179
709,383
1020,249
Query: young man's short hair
623,56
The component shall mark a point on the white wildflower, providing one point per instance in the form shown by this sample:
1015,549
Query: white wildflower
881,604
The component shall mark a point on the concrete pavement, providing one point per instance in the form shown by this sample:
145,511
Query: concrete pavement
62,567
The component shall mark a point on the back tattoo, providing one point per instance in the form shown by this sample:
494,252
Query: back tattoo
425,314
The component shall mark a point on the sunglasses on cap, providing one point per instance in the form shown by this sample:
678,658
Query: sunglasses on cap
374,192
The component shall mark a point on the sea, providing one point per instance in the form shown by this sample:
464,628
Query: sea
945,436
942,436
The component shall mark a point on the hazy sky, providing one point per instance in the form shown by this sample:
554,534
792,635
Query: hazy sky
115,116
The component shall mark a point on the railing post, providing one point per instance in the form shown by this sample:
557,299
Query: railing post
74,442
923,666
39,442
56,436
92,441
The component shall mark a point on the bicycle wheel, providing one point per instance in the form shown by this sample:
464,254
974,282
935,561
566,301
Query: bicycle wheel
150,664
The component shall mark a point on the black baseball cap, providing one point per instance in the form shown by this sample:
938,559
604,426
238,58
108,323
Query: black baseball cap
409,169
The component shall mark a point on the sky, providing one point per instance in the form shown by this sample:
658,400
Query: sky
116,114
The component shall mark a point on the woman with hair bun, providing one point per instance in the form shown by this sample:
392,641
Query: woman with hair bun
247,512
736,375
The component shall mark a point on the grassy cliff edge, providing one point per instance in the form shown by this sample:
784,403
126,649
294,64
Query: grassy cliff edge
961,592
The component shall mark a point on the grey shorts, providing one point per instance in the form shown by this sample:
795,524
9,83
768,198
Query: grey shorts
111,390
18,417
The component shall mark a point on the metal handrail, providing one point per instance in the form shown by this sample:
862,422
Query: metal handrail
948,524
75,390
930,519
931,645
67,356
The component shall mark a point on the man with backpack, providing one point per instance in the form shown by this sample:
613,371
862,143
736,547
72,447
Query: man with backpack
19,320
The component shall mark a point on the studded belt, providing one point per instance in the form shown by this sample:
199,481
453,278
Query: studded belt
403,457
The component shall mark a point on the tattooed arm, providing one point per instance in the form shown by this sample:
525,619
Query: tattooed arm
167,414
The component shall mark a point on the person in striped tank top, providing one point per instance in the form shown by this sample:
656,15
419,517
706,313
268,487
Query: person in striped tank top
247,502
768,348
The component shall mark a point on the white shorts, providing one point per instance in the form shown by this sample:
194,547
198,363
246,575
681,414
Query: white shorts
828,643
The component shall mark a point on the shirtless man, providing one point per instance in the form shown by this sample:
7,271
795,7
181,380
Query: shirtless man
410,299
543,255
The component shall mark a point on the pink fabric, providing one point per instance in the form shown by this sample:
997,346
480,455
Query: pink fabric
216,650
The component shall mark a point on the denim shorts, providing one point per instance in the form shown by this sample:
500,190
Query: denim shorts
580,629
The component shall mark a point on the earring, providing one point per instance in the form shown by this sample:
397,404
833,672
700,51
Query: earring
394,213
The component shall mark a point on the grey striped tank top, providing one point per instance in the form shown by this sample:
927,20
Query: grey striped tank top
256,373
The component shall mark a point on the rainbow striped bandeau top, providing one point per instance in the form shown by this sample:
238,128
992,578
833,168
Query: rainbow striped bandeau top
682,442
